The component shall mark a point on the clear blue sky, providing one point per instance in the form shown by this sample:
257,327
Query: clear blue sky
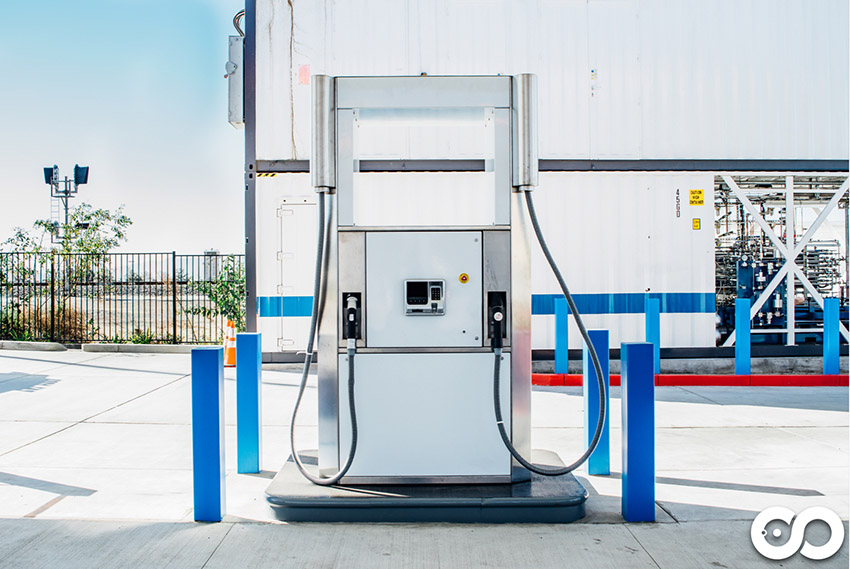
135,90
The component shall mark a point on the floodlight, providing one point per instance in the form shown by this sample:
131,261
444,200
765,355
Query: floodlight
81,174
51,174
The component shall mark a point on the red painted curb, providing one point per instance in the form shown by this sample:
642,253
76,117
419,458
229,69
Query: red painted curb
547,379
575,380
565,379
716,380
572,379
794,380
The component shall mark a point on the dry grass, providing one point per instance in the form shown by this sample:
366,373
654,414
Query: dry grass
32,321
70,323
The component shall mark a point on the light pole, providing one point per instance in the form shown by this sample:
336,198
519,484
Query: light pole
67,191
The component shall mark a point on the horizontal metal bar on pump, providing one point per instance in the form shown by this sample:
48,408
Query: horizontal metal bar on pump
557,165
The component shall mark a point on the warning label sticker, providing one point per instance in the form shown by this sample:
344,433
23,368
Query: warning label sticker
697,197
696,224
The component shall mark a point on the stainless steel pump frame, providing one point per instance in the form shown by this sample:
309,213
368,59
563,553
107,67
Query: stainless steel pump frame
336,101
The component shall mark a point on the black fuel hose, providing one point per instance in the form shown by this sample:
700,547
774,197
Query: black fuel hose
593,356
318,289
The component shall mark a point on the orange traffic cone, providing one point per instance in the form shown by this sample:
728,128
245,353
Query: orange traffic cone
230,345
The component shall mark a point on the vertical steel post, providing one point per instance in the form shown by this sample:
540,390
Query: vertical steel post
326,143
249,78
847,250
52,297
208,433
524,176
249,418
742,336
323,148
831,337
67,195
173,297
790,218
638,403
600,460
652,312
524,126
562,343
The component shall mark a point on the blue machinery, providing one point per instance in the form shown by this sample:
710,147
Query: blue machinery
752,277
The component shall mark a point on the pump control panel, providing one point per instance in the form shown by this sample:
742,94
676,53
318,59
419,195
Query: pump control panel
410,278
424,297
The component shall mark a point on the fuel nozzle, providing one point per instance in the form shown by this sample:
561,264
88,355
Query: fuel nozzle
498,325
496,317
351,322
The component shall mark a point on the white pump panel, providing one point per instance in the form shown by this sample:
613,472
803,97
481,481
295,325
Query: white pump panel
425,416
394,257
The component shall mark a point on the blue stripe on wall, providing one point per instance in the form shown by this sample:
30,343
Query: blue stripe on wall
617,303
628,303
276,306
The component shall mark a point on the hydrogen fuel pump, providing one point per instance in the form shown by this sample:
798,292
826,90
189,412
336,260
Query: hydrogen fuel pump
422,294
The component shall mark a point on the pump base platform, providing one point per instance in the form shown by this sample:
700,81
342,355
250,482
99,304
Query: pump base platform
545,499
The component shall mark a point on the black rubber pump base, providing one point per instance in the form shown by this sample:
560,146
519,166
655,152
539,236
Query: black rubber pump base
544,499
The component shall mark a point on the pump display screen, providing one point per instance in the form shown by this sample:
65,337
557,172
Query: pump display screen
424,297
417,292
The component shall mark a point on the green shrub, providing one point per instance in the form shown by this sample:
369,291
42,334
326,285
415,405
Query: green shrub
141,337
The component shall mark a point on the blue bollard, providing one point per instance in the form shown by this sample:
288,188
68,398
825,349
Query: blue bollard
831,337
562,344
600,460
249,423
208,433
638,402
652,312
742,336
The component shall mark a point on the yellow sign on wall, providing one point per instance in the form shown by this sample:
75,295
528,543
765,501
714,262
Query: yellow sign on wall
696,224
697,197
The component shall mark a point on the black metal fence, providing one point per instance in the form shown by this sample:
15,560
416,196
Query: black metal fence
119,297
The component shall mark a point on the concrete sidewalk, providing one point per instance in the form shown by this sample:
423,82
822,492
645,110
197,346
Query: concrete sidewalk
95,471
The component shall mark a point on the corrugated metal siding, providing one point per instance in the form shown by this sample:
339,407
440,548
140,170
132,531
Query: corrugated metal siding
286,250
618,233
615,80
387,199
674,78
563,95
444,133
744,79
614,236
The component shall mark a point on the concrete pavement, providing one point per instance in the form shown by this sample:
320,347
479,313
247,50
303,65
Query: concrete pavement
95,471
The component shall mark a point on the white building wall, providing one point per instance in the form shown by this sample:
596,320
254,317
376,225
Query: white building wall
629,79
286,254
616,234
653,79
613,235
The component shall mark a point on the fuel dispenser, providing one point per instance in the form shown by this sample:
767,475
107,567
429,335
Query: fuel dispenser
424,348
